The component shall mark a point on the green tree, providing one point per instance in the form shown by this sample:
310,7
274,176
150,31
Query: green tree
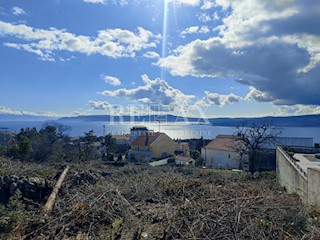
87,149
196,155
110,143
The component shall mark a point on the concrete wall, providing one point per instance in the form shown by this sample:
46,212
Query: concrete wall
314,186
296,180
159,163
290,176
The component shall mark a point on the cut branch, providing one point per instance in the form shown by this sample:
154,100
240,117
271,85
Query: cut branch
51,200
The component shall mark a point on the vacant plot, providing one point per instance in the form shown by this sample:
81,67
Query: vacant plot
98,201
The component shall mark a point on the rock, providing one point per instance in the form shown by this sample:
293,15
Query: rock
13,187
256,175
84,177
32,188
37,181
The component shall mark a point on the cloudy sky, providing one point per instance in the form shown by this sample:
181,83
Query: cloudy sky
216,58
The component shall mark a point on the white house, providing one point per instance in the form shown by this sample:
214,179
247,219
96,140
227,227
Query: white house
221,153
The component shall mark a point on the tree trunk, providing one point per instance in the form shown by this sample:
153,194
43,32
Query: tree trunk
51,200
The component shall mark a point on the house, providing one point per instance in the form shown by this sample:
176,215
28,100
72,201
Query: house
151,145
182,149
184,161
222,153
121,139
136,131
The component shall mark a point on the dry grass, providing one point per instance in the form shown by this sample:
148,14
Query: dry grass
140,202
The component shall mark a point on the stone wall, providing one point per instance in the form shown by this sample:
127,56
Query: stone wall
32,188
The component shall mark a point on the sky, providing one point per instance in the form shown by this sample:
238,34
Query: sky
213,58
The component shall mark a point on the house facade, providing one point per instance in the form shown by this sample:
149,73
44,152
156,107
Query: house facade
122,139
136,131
150,146
182,149
184,161
221,153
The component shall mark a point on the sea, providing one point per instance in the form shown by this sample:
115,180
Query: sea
176,130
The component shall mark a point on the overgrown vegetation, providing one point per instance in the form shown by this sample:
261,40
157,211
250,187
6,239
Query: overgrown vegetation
99,201
52,144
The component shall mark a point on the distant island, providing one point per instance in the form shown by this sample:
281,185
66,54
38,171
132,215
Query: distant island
291,121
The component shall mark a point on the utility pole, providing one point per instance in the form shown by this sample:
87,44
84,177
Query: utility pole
104,130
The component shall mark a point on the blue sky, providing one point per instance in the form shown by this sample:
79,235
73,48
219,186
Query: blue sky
218,58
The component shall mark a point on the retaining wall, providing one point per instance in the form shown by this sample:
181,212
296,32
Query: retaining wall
291,176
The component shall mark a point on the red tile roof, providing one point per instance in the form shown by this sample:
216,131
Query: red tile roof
223,142
146,139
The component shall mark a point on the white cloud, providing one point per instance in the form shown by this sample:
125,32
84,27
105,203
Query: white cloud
216,16
185,2
215,99
204,17
6,110
298,109
194,30
123,2
157,93
222,100
273,47
111,80
96,1
18,11
189,30
204,29
151,54
207,4
99,105
120,2
114,43
259,96
224,4
43,55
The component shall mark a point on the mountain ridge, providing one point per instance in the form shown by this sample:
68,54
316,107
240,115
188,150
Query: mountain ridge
281,121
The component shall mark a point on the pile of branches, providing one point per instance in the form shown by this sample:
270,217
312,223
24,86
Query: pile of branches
141,202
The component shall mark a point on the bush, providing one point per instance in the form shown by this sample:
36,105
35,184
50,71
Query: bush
14,215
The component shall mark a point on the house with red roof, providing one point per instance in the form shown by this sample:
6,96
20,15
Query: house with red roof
152,145
222,153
